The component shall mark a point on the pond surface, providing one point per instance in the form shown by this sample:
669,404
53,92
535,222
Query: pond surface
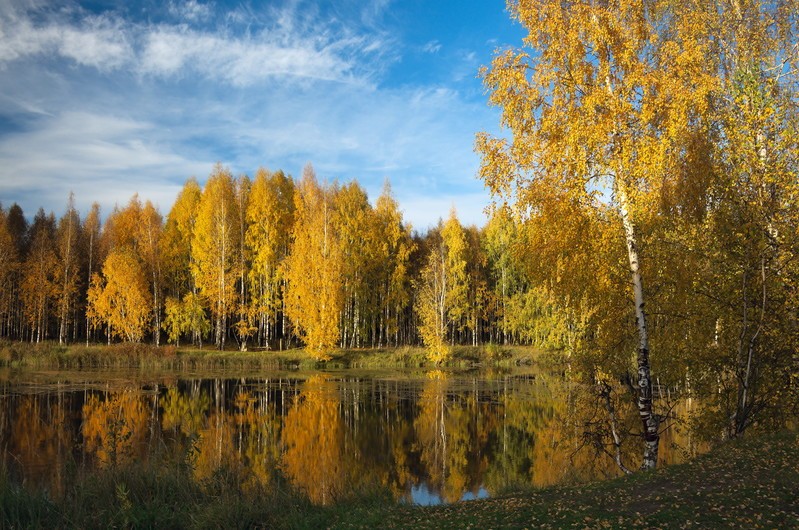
428,437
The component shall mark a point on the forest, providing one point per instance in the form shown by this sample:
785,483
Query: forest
645,229
266,263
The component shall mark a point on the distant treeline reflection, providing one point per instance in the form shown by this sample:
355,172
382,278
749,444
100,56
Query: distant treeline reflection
325,436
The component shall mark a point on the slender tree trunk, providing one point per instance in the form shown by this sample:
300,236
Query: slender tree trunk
604,392
89,279
649,419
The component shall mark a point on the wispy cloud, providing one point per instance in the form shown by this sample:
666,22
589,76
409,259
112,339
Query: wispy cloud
97,41
432,46
246,60
191,10
289,44
100,158
107,104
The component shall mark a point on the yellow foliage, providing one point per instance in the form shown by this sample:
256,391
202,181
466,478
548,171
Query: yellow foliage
313,435
114,429
215,264
441,291
270,218
314,269
121,299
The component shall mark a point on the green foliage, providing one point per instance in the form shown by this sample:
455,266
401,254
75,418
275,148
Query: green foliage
186,316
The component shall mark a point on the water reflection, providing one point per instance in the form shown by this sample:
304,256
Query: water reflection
427,438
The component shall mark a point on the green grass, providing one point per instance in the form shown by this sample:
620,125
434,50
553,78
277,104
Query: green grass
743,484
144,356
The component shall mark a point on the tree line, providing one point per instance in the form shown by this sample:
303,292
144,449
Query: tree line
268,262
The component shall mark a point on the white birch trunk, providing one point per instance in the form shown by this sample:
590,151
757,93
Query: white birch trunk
649,419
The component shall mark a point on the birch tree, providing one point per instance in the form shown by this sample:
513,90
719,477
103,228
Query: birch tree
91,240
314,269
246,312
601,102
394,247
39,285
215,262
149,236
178,237
751,230
442,289
430,302
270,218
67,238
8,266
179,262
120,298
17,227
353,222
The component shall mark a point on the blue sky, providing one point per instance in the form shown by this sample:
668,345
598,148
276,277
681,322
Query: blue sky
112,98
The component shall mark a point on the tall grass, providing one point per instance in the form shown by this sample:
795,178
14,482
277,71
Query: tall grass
165,494
145,356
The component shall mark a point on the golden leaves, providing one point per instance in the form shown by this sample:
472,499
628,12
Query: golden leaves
215,265
314,268
121,297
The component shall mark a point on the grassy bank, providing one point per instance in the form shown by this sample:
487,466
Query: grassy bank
743,484
55,356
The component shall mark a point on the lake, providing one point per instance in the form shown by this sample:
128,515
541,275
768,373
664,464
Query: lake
427,437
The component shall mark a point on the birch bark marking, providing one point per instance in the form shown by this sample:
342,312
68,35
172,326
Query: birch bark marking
649,419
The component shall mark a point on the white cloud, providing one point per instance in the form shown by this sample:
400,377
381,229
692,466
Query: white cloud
100,158
97,41
432,47
292,43
191,10
242,61
164,101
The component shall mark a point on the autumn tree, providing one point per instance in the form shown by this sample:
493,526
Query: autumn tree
270,218
392,253
137,230
121,229
177,239
601,110
178,265
244,327
456,258
499,235
215,262
353,222
314,268
91,242
120,298
749,235
149,236
18,229
39,284
186,316
441,301
67,238
8,266
477,292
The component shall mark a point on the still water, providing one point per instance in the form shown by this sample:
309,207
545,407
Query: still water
428,437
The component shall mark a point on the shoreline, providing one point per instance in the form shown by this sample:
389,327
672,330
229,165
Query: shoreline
51,355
